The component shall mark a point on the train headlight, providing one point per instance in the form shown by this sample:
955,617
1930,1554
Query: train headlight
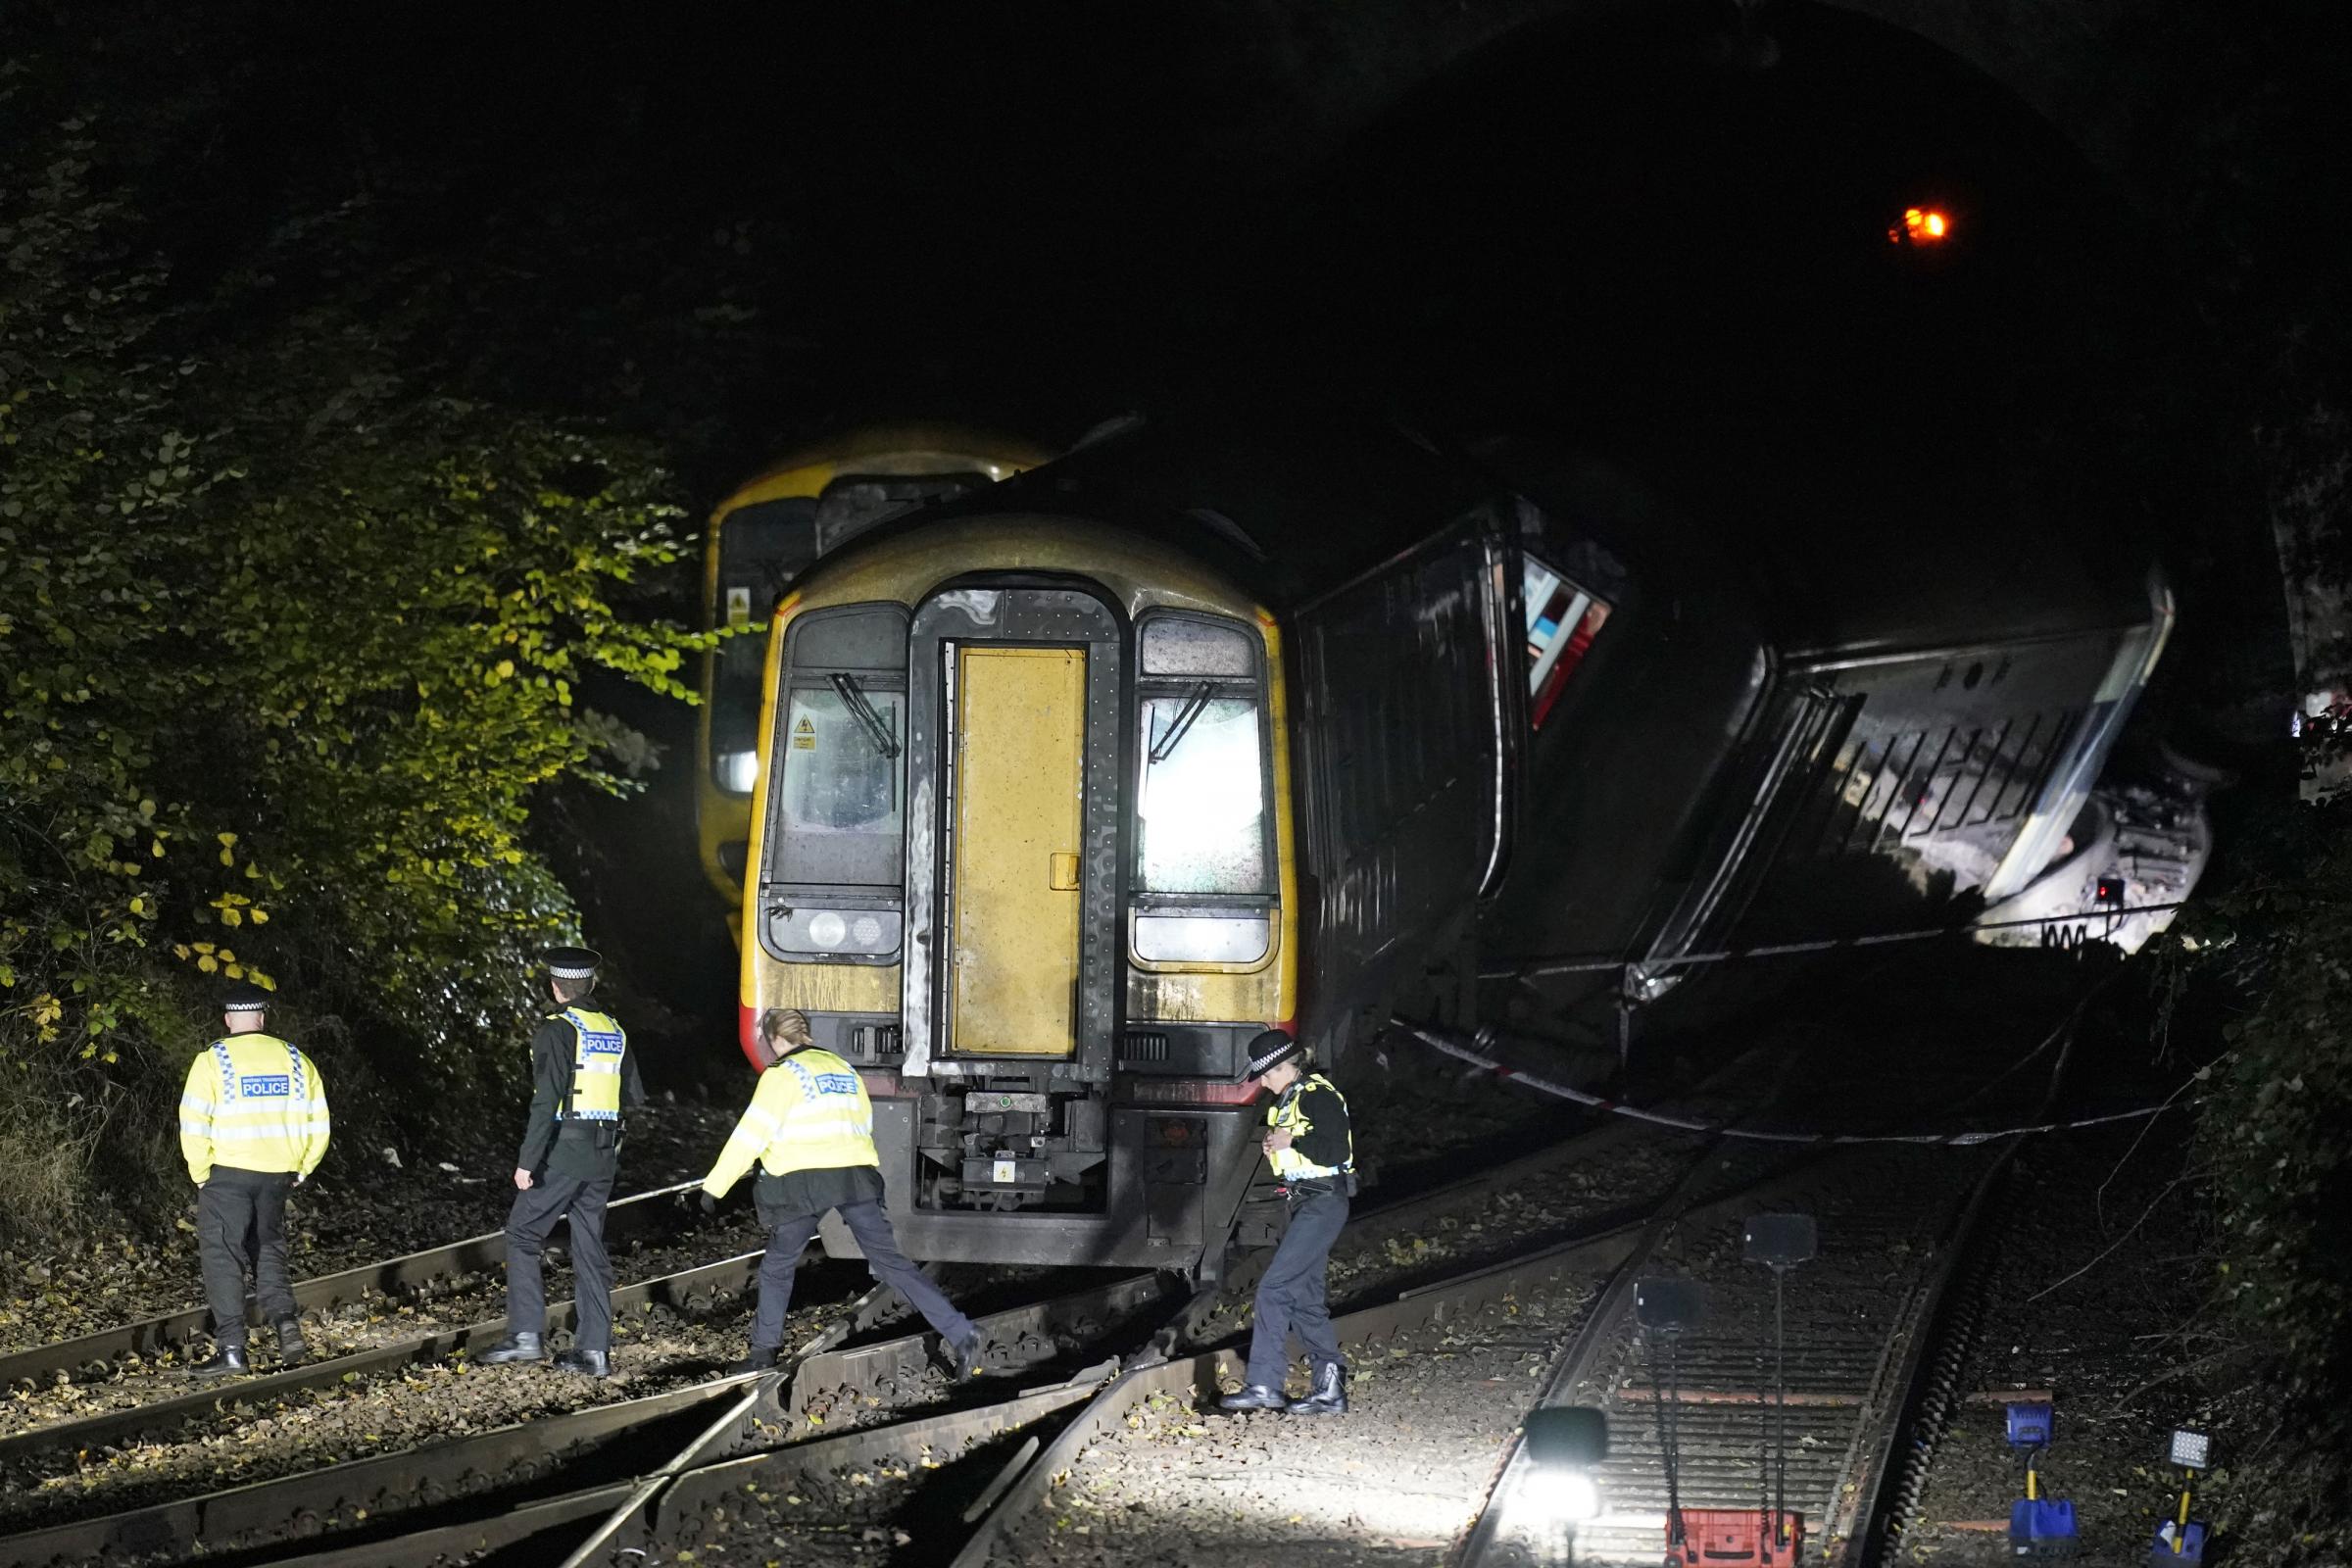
738,772
844,933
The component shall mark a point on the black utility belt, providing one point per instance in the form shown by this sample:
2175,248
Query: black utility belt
602,1133
1343,1184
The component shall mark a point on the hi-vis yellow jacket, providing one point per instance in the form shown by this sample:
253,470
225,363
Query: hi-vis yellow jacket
252,1103
809,1112
1322,1141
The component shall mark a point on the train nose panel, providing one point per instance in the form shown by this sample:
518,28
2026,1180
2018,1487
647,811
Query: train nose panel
1018,750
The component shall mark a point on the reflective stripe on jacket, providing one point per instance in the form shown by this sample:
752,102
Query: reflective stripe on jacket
1287,1115
809,1112
598,1045
253,1103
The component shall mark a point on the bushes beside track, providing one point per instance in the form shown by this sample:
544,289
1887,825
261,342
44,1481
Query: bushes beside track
292,641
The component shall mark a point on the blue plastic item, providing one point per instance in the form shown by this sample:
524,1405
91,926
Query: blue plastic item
2030,1425
2193,1545
2042,1526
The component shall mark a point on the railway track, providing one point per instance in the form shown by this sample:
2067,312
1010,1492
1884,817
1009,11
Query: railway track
836,1392
1896,1228
435,1271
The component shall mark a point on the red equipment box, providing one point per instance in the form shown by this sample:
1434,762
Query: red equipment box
1739,1537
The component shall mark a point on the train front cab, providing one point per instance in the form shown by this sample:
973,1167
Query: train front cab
761,537
1023,849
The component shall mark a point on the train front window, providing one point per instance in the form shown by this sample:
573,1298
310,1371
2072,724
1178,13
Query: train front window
761,548
837,758
1201,807
842,808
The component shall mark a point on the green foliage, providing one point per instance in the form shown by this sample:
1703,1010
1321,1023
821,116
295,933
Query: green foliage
2276,1132
292,642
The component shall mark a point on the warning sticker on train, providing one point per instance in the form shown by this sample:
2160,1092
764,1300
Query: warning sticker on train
803,735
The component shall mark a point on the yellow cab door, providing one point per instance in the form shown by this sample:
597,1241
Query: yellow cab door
1018,754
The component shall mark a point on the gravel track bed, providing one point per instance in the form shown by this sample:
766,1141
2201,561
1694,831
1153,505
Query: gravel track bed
1373,1257
2102,1341
1392,1482
358,1209
344,1331
372,1416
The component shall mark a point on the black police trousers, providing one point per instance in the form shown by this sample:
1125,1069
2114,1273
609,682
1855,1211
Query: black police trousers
1291,1294
241,1223
536,1210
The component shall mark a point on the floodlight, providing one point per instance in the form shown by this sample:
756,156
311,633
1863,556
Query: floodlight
1780,1241
1564,1443
2030,1425
1668,1305
2191,1450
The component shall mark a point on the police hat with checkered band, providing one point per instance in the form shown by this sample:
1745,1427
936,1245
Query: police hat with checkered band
1270,1050
572,964
245,999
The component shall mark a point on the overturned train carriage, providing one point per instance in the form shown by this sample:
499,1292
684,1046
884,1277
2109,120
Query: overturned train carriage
1068,790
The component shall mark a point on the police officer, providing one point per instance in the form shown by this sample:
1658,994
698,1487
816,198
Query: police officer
1312,1150
582,1077
810,1127
252,1125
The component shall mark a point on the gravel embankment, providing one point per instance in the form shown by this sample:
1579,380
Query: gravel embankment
2100,1332
357,1212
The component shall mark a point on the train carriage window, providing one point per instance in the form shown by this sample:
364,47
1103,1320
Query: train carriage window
1562,620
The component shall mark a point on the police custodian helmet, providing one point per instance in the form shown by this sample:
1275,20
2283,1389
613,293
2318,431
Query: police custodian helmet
245,999
1270,1050
572,964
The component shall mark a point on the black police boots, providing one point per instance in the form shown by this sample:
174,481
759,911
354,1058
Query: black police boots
227,1361
588,1363
1257,1396
759,1360
513,1347
1328,1396
290,1349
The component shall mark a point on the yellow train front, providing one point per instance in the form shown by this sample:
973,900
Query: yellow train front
1023,856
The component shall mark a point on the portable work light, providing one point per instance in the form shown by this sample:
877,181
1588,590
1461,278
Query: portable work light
2191,1450
1564,1445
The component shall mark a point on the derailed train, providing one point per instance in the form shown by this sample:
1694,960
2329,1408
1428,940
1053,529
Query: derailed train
1069,787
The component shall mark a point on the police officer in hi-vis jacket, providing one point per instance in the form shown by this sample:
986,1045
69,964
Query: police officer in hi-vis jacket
1312,1149
253,1125
811,1129
582,1078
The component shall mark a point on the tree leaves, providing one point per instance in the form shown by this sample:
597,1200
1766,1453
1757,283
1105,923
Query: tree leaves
267,590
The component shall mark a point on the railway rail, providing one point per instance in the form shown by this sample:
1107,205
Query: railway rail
417,1274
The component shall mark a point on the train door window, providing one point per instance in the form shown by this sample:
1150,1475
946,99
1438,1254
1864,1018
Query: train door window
1201,801
1562,620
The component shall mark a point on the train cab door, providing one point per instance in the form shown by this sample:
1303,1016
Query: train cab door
1013,835
1016,735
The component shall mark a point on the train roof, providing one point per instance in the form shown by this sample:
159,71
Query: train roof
1850,548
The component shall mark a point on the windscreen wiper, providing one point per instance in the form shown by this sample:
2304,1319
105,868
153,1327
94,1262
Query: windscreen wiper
853,697
1194,706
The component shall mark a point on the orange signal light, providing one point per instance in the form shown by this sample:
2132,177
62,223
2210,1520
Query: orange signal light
1922,226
